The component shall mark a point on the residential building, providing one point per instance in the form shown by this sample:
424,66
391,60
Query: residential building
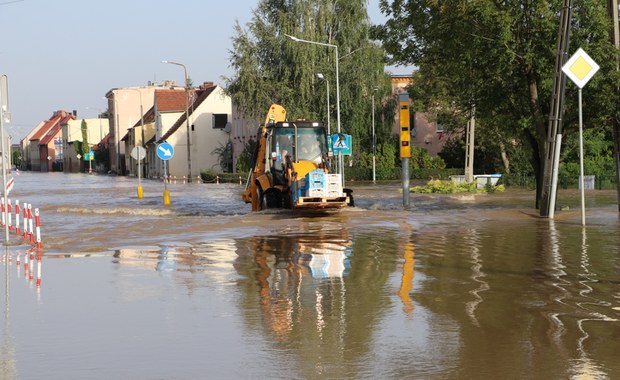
168,105
425,133
125,106
72,156
45,144
25,148
209,120
243,130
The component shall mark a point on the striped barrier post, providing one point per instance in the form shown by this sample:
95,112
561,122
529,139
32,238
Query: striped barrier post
8,215
217,179
3,215
25,232
30,230
240,180
198,179
17,230
184,180
38,228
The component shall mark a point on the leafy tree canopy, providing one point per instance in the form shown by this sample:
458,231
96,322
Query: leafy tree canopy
495,60
272,68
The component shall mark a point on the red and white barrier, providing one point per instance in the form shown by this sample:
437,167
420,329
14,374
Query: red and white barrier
25,232
38,228
17,231
31,230
10,220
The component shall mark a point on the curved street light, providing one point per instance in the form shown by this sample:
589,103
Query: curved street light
296,39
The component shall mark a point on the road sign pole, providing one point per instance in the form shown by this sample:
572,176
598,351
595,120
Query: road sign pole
580,68
165,151
140,191
581,181
4,102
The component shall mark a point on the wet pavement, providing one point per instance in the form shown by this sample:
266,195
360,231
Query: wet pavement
460,286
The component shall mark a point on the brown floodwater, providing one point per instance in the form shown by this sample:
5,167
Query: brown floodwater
455,287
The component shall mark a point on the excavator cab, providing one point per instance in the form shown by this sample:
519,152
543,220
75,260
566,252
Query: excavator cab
291,167
297,146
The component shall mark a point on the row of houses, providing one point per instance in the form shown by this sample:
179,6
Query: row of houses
138,116
200,123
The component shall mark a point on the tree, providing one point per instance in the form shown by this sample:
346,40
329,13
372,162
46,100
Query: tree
271,68
85,144
496,60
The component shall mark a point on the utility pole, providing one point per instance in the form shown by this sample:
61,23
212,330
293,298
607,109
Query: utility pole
554,132
612,7
469,147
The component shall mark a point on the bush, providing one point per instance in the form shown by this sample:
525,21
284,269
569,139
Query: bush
450,187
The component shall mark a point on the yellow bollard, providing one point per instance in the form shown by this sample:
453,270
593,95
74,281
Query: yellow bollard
140,192
166,197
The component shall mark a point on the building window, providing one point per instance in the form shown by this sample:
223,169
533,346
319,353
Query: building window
220,120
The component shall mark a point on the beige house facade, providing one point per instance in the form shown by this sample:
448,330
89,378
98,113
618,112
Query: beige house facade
209,125
125,106
73,161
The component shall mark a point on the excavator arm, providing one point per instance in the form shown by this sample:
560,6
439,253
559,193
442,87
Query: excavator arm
257,176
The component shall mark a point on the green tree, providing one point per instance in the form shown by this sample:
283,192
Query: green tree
244,160
496,60
16,157
271,68
85,144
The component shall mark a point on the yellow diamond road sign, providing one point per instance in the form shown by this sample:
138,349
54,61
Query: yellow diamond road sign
580,68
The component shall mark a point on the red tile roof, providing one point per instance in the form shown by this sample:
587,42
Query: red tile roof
169,100
51,127
201,94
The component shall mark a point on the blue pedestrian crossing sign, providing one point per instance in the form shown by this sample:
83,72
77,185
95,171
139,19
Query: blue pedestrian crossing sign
165,151
341,143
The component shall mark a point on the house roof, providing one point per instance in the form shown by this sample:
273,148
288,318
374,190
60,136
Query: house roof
201,94
51,127
168,100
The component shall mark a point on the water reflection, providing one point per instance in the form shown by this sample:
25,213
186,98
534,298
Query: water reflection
472,241
406,283
8,366
321,293
584,367
286,267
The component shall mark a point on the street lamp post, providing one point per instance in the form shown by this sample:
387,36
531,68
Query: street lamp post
140,191
189,159
374,143
340,162
321,76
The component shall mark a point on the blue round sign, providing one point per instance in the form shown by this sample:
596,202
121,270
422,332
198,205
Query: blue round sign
165,151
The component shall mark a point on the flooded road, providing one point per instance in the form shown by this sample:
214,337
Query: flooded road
457,287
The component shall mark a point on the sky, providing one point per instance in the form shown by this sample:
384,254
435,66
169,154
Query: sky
67,54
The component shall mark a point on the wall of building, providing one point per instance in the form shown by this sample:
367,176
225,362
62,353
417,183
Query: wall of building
206,138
